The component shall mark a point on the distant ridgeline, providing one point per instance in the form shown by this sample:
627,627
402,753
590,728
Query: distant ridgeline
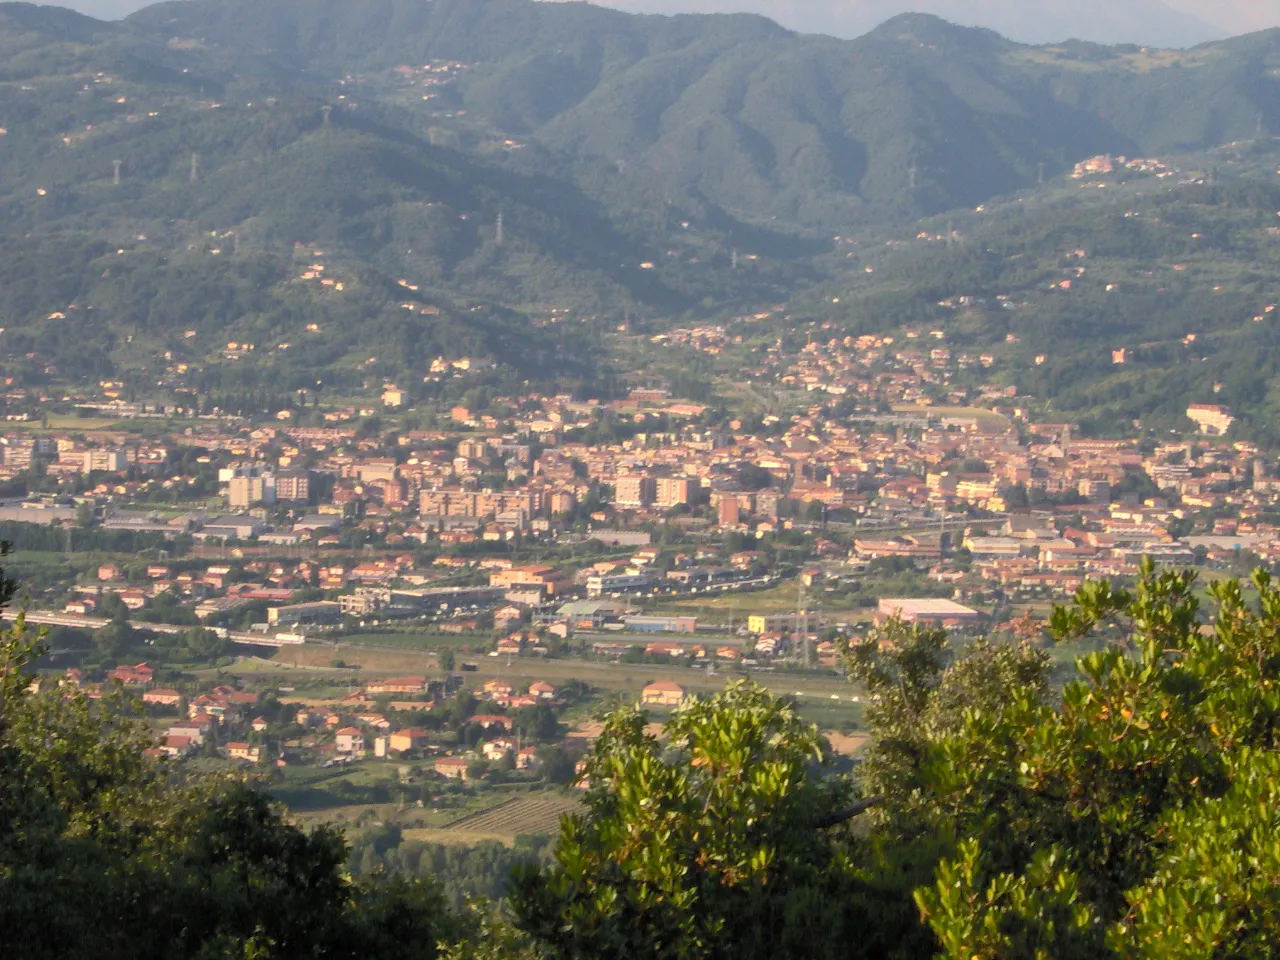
360,187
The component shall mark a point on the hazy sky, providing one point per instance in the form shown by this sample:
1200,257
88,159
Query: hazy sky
1033,16
1167,22
1234,16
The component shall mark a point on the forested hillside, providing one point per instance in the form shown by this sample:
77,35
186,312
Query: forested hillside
361,187
764,122
1112,299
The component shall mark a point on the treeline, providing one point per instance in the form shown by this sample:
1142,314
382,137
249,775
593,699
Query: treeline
48,538
463,872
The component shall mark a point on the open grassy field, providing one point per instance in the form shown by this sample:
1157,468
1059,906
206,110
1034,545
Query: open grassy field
613,680
411,640
67,422
783,598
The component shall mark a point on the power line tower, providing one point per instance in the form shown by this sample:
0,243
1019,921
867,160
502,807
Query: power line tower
501,236
1040,173
734,258
802,624
911,178
115,177
195,167
327,110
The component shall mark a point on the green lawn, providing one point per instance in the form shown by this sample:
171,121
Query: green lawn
415,641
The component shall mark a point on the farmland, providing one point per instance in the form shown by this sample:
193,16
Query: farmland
736,607
536,814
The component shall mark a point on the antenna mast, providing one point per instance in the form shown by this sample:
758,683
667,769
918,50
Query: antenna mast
802,623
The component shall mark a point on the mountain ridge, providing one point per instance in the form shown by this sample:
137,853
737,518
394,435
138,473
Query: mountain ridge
689,98
642,168
1148,22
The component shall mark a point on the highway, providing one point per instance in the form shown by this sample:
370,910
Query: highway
52,619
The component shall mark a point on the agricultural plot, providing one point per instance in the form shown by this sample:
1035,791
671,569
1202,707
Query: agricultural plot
520,816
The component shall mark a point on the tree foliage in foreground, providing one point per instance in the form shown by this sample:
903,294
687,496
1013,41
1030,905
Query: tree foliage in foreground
706,842
106,853
1132,814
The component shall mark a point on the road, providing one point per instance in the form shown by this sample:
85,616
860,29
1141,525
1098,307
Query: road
53,619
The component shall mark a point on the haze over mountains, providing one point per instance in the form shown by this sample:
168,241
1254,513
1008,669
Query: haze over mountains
1150,22
1168,23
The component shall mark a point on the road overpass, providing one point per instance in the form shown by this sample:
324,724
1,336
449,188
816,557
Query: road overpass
48,618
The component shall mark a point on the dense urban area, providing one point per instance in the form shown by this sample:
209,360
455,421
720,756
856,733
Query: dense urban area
443,608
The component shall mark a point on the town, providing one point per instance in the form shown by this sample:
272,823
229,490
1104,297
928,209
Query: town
454,603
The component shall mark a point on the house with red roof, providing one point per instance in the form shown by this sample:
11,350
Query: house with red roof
138,675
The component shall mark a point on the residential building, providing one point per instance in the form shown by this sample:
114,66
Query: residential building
663,693
349,740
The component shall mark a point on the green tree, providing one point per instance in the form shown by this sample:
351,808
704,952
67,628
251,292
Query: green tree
708,842
105,852
1130,813
1132,816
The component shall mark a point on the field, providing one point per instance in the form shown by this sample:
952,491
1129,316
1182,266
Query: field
829,697
410,640
66,422
529,815
783,598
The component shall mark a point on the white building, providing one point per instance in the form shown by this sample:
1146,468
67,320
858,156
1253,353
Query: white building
1211,418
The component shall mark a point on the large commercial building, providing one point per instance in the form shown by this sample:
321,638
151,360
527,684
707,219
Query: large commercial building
661,624
927,610
598,586
322,611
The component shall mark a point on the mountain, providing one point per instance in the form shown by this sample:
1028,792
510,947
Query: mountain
766,125
1184,23
1149,22
651,167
